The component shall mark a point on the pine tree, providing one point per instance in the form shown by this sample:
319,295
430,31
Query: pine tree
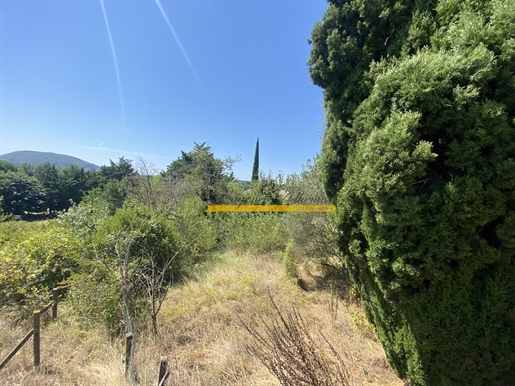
210,173
255,166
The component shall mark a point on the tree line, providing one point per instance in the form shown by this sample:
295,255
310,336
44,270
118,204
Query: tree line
47,188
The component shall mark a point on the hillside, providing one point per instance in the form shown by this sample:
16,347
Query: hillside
35,157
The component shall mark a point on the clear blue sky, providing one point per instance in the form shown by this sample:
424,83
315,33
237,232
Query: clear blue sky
103,79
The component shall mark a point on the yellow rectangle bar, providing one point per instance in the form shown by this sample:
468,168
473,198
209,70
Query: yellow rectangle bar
270,208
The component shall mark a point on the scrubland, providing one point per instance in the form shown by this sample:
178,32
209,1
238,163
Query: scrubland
202,331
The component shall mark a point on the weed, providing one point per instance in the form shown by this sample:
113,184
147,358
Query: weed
289,352
290,265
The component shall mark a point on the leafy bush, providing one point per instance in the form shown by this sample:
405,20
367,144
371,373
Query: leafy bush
260,233
97,205
95,297
134,231
266,191
35,260
141,253
198,233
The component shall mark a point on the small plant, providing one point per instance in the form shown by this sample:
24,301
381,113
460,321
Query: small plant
362,324
333,303
290,265
289,352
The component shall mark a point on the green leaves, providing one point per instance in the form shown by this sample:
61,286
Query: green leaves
34,260
20,193
419,157
208,175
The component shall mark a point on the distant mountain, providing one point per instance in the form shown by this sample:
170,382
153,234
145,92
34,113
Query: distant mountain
35,157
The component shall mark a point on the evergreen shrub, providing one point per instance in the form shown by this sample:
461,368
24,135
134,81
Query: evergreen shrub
419,157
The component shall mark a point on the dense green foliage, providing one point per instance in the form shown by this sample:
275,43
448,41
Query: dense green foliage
20,193
264,191
45,187
7,167
116,171
419,156
62,187
34,258
135,232
207,174
260,233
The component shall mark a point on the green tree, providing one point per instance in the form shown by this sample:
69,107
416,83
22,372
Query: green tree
48,176
72,180
419,157
208,175
21,193
255,166
62,187
140,249
116,171
7,167
97,205
265,191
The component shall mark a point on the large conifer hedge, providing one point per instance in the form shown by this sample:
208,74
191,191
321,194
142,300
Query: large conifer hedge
419,157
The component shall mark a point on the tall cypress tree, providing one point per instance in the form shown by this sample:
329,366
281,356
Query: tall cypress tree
255,167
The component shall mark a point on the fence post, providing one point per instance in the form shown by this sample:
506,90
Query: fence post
128,347
162,371
55,299
36,337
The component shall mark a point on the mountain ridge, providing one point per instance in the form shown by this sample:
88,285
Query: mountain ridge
31,157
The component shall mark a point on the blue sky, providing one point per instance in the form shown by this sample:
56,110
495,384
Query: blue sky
103,79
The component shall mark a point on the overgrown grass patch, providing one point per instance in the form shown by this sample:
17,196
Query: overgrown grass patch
200,332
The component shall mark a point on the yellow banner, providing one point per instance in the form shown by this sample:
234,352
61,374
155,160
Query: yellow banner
270,208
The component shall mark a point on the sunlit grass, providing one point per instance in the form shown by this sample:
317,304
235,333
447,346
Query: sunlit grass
201,333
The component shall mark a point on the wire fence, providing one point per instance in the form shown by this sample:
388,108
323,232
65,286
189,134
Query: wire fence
35,334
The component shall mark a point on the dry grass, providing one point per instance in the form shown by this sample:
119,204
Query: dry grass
290,351
69,355
201,333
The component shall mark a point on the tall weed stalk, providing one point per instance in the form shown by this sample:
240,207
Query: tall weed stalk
288,351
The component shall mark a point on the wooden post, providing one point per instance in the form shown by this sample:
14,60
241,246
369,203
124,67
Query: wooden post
55,299
128,347
36,338
162,371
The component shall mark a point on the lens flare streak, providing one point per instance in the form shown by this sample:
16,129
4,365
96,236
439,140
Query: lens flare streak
115,60
178,41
